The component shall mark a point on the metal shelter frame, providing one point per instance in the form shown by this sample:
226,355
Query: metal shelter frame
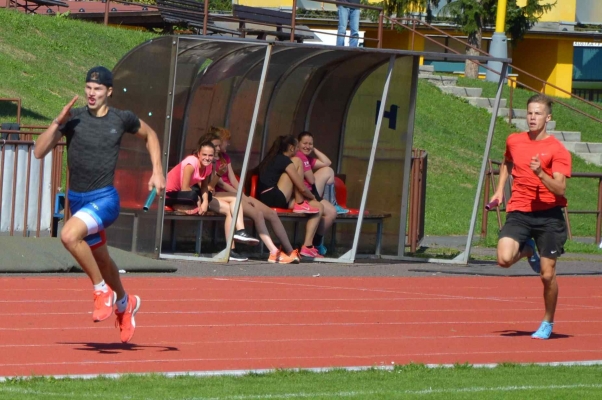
161,93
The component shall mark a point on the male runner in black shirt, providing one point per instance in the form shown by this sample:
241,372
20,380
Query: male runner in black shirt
93,137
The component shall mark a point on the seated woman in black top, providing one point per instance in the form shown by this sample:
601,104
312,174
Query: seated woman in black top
281,185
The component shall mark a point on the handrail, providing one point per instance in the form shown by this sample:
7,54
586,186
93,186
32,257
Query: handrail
395,21
205,14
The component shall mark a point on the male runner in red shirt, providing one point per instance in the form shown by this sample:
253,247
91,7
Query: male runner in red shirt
539,165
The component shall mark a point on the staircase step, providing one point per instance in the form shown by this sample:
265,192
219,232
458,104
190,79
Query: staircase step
485,102
462,91
503,112
427,69
522,124
583,147
439,80
593,158
566,136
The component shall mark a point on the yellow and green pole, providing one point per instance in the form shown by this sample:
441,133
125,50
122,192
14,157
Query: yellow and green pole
499,42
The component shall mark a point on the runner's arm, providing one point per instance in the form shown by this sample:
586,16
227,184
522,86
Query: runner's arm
51,136
154,149
505,169
321,160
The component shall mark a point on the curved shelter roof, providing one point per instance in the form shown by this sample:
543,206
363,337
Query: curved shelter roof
259,90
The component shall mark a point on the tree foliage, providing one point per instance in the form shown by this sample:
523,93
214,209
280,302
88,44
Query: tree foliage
473,15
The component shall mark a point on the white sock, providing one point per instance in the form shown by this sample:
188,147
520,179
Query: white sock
122,304
102,286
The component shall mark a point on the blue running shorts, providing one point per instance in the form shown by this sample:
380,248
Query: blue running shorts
98,209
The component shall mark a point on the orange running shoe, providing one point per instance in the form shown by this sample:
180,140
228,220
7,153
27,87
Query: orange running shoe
284,258
295,255
103,305
273,258
126,321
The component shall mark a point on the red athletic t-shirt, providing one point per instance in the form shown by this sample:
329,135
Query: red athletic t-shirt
528,192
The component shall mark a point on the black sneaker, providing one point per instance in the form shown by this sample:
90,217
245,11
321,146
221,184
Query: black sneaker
234,256
243,237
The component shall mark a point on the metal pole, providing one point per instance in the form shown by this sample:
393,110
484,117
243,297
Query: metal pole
381,111
475,209
107,5
380,31
293,20
245,163
205,16
599,219
408,159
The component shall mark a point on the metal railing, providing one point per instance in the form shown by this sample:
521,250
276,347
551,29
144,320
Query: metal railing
415,22
293,28
490,184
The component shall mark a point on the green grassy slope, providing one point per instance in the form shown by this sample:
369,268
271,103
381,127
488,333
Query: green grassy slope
43,60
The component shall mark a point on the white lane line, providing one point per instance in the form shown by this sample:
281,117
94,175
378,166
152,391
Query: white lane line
466,310
293,340
386,359
430,295
319,324
333,394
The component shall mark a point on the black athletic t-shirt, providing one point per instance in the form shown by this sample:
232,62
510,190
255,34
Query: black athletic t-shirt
93,146
269,178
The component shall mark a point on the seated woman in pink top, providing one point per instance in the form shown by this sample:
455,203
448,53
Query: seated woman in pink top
187,189
317,173
322,172
225,183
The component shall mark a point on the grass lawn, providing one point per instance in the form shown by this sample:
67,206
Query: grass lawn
401,382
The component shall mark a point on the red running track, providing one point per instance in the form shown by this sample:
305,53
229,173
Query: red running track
216,324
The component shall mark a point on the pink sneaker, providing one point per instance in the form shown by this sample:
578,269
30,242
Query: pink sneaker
305,208
310,252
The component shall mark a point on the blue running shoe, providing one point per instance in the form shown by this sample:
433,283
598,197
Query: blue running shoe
321,249
544,332
534,260
340,210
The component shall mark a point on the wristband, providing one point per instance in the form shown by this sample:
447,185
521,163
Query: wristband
219,176
56,121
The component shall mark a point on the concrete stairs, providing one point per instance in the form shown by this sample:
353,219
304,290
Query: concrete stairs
590,152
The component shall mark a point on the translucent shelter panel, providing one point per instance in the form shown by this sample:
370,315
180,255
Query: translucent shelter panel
217,69
141,83
293,96
386,184
343,123
387,180
330,102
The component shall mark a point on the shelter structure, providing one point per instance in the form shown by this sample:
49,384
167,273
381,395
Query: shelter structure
183,85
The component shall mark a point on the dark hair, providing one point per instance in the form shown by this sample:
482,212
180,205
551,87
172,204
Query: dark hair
204,144
541,99
204,140
279,146
303,134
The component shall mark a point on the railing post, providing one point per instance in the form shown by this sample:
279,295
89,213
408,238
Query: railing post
293,20
380,31
107,5
413,36
510,108
485,215
599,219
205,16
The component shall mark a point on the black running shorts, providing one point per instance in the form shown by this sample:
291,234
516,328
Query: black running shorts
274,198
547,228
